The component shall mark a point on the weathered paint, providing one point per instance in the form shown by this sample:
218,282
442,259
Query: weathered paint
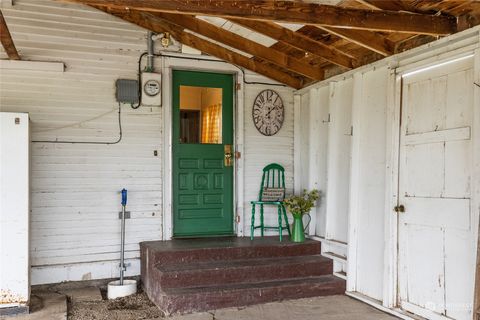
372,224
9,298
14,209
436,237
74,197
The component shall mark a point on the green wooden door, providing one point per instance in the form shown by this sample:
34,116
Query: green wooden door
202,127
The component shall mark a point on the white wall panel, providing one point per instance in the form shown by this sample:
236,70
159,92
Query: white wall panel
372,178
75,187
367,204
339,157
313,118
261,150
14,210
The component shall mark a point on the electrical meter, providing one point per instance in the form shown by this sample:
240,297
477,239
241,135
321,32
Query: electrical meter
152,89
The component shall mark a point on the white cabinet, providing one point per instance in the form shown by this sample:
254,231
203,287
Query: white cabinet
14,212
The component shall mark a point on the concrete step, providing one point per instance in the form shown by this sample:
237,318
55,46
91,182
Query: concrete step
203,298
182,276
210,273
194,250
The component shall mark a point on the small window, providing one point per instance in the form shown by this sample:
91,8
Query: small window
200,115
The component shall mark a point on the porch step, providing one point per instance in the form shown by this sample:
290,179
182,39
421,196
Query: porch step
183,276
242,271
195,250
193,299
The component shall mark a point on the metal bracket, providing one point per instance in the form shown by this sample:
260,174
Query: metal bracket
127,215
125,265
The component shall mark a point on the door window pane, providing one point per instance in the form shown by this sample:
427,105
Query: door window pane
200,115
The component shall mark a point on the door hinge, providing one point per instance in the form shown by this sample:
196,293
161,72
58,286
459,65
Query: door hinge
237,219
400,208
238,86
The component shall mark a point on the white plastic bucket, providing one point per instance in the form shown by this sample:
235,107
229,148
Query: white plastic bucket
115,290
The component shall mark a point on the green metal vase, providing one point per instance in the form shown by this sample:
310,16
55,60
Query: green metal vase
298,233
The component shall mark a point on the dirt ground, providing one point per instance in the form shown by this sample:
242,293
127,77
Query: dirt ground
135,307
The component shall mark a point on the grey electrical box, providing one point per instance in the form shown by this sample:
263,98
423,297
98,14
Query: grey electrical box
127,91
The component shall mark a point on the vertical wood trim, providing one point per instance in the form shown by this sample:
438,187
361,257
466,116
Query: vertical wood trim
167,154
476,180
313,151
239,124
391,189
355,167
330,163
297,142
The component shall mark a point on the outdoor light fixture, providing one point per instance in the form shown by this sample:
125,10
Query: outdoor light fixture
166,40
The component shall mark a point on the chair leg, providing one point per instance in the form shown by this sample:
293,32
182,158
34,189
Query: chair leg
286,220
280,229
252,227
262,226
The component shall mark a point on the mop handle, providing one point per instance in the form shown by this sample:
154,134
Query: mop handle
124,197
122,244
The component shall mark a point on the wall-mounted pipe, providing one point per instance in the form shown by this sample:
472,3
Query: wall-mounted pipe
150,52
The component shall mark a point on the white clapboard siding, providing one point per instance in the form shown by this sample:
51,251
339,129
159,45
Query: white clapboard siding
75,187
261,150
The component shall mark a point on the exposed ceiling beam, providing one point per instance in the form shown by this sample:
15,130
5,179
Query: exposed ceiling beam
233,40
299,41
155,24
7,41
369,40
296,12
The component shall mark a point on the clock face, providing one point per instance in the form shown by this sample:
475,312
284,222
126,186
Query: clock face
268,112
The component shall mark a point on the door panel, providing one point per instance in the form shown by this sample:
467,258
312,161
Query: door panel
202,126
436,256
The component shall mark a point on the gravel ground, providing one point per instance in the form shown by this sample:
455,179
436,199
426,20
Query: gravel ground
135,307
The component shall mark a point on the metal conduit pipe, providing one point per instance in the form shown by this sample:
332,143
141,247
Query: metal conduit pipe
150,52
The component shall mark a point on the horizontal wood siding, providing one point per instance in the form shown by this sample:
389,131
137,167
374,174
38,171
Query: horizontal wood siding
261,150
75,187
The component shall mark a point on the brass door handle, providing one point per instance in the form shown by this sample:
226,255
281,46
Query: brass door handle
228,156
400,208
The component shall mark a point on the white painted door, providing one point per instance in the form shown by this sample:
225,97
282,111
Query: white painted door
436,245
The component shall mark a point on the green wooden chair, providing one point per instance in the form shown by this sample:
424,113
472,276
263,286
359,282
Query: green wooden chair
272,193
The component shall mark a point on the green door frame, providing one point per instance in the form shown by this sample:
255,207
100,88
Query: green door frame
210,221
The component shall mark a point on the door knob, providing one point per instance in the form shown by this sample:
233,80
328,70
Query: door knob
400,208
228,157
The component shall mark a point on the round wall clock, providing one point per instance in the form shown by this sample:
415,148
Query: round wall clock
268,112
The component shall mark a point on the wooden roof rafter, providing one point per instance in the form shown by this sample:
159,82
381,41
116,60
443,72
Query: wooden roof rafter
299,41
297,12
233,40
366,39
332,39
7,41
156,24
